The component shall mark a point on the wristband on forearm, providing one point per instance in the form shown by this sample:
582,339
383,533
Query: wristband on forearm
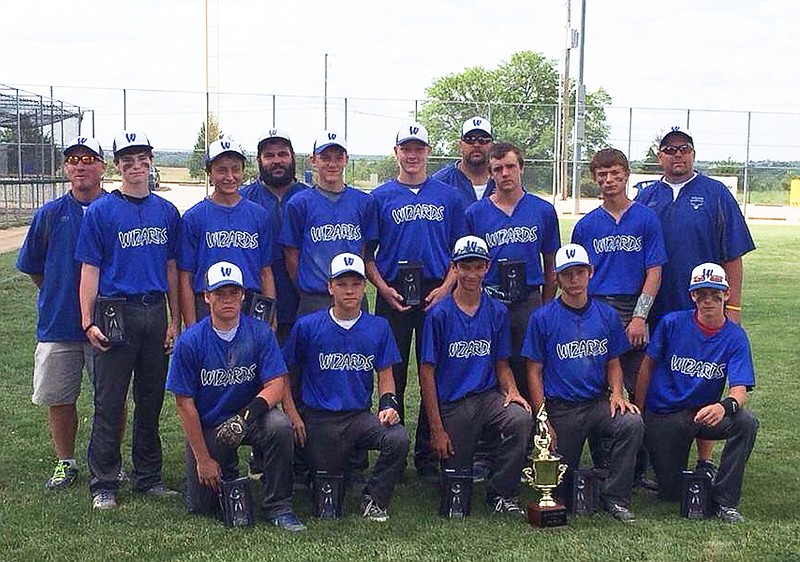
388,400
255,409
734,307
731,406
88,327
643,305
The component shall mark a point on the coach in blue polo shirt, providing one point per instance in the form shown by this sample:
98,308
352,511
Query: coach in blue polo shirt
573,345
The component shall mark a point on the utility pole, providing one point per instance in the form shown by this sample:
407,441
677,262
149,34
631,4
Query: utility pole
325,102
580,118
563,106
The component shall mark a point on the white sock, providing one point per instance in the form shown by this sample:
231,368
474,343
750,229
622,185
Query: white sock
71,462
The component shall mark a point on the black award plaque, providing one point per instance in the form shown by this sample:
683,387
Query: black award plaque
410,277
328,495
456,499
261,308
585,492
513,280
236,501
695,495
109,316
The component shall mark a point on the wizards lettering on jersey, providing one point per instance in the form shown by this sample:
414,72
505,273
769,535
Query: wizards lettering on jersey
225,377
467,349
346,362
617,243
150,236
424,211
694,368
333,232
579,349
513,235
232,239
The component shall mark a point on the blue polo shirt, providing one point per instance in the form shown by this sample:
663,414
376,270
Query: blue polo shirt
458,180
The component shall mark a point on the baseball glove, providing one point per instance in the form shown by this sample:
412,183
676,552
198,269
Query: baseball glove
231,432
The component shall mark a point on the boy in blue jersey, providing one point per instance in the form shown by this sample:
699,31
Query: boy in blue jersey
574,344
322,222
517,227
470,175
701,222
692,356
273,189
336,352
626,250
419,220
228,372
224,227
47,255
128,249
468,389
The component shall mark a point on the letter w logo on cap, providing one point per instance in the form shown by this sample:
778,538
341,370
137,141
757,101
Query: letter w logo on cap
225,145
413,130
570,253
273,132
130,137
226,271
477,122
348,261
331,136
708,273
82,140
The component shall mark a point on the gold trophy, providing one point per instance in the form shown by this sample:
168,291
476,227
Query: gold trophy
545,473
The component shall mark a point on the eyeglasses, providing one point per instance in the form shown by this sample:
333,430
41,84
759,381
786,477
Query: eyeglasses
477,140
86,159
671,150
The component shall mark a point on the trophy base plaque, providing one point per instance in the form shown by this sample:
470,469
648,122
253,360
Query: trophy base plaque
328,495
513,280
695,495
261,307
585,492
109,316
409,276
547,517
456,499
236,501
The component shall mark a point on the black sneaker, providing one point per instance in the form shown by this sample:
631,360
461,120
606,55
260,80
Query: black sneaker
160,491
372,511
620,512
63,476
289,522
104,500
706,467
505,505
729,514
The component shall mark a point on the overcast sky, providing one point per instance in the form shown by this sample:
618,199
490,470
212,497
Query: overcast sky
727,55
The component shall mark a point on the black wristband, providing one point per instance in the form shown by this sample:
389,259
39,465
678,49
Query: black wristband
731,406
388,400
89,327
255,409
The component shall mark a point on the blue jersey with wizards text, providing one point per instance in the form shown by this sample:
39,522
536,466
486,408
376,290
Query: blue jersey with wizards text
223,377
321,229
240,234
131,242
287,301
691,368
529,233
337,364
49,251
574,348
455,178
421,228
704,224
620,252
464,349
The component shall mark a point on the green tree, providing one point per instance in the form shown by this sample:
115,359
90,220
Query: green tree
36,148
519,97
197,165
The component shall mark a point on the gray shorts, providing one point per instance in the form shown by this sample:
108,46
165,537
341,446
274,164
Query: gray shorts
57,371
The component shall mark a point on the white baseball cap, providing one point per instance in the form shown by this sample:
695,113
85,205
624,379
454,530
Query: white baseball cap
327,139
89,143
708,275
277,134
569,255
130,139
476,123
223,273
469,247
223,146
673,131
412,132
346,263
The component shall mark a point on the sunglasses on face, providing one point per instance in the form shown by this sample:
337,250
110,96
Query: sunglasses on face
671,150
86,159
477,140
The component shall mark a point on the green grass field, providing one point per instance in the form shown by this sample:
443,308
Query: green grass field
40,525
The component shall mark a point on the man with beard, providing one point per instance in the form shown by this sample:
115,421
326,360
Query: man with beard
470,175
275,186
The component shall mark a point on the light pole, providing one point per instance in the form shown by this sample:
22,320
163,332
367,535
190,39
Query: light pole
580,118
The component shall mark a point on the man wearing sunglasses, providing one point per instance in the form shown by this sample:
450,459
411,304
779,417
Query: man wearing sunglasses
701,222
470,175
47,256
128,250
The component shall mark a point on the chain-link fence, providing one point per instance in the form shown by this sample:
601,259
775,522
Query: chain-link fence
759,149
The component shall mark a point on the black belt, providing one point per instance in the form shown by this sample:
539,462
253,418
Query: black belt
145,299
558,402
